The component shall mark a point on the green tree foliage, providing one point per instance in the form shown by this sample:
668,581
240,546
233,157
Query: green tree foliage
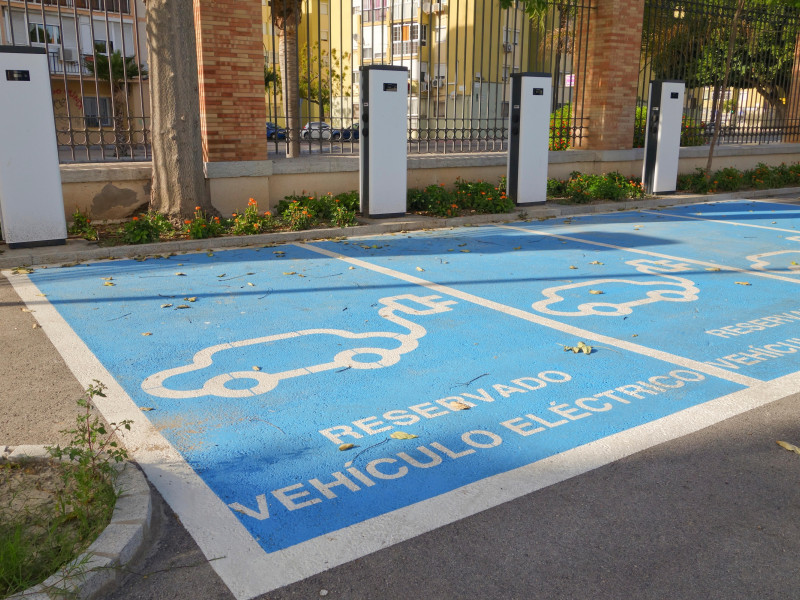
322,74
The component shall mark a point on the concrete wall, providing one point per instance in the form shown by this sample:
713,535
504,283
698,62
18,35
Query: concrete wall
116,191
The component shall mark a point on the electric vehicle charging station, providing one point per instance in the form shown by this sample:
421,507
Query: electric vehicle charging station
662,140
31,200
383,156
529,133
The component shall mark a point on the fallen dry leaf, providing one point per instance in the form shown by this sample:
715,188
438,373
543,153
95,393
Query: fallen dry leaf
166,305
179,274
712,268
742,283
344,447
256,368
788,446
458,405
182,306
110,283
595,262
192,299
595,291
146,333
402,435
420,269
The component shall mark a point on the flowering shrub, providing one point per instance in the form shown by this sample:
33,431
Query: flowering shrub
202,226
581,188
339,210
730,179
252,221
298,217
145,229
82,226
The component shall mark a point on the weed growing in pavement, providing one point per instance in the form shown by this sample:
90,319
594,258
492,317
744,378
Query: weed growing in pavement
50,512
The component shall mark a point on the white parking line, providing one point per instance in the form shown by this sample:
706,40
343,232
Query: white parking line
702,263
544,321
734,223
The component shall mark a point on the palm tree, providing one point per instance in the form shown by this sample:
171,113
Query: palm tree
118,71
286,17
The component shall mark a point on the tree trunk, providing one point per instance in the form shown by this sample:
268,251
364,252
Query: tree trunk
290,76
728,58
179,183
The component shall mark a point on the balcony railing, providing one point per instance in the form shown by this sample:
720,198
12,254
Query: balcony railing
405,47
114,6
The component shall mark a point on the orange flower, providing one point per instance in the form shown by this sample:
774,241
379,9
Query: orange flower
256,225
197,208
251,202
187,221
267,213
135,218
234,215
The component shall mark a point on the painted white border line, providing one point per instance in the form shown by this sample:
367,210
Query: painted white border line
544,321
236,554
734,223
693,261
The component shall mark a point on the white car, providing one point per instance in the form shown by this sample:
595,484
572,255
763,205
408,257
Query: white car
316,130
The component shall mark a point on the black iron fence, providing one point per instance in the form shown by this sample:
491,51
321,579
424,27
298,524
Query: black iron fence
98,68
460,56
689,39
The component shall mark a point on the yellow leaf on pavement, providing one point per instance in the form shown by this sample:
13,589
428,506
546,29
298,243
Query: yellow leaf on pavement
595,291
402,435
344,447
788,446
420,269
742,283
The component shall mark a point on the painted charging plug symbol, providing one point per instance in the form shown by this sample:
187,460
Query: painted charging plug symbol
356,358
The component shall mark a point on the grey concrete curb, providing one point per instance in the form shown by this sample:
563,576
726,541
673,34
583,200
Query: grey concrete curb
116,546
81,251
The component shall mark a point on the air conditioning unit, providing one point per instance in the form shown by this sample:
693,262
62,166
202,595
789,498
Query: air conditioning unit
508,47
438,7
68,54
426,8
436,82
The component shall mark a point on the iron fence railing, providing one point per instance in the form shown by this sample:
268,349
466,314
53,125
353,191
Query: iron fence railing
98,72
460,55
688,40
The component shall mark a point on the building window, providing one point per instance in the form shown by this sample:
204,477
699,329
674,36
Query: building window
324,35
323,8
97,115
103,47
407,38
507,36
44,34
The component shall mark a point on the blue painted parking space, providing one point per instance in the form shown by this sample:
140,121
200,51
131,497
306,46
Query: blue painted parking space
259,364
708,235
734,320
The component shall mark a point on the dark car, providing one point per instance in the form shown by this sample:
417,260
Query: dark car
348,133
274,132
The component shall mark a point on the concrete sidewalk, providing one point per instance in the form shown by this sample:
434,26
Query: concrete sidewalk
715,514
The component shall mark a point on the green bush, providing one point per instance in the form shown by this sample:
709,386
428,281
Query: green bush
691,131
334,209
580,188
203,226
82,226
696,182
251,221
146,228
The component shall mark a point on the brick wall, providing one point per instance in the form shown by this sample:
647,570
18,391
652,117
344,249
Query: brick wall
614,39
230,63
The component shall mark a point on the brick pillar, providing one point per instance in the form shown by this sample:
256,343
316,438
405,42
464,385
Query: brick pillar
230,57
609,88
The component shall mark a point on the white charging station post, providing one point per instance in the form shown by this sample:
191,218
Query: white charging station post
529,134
31,201
662,138
383,156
